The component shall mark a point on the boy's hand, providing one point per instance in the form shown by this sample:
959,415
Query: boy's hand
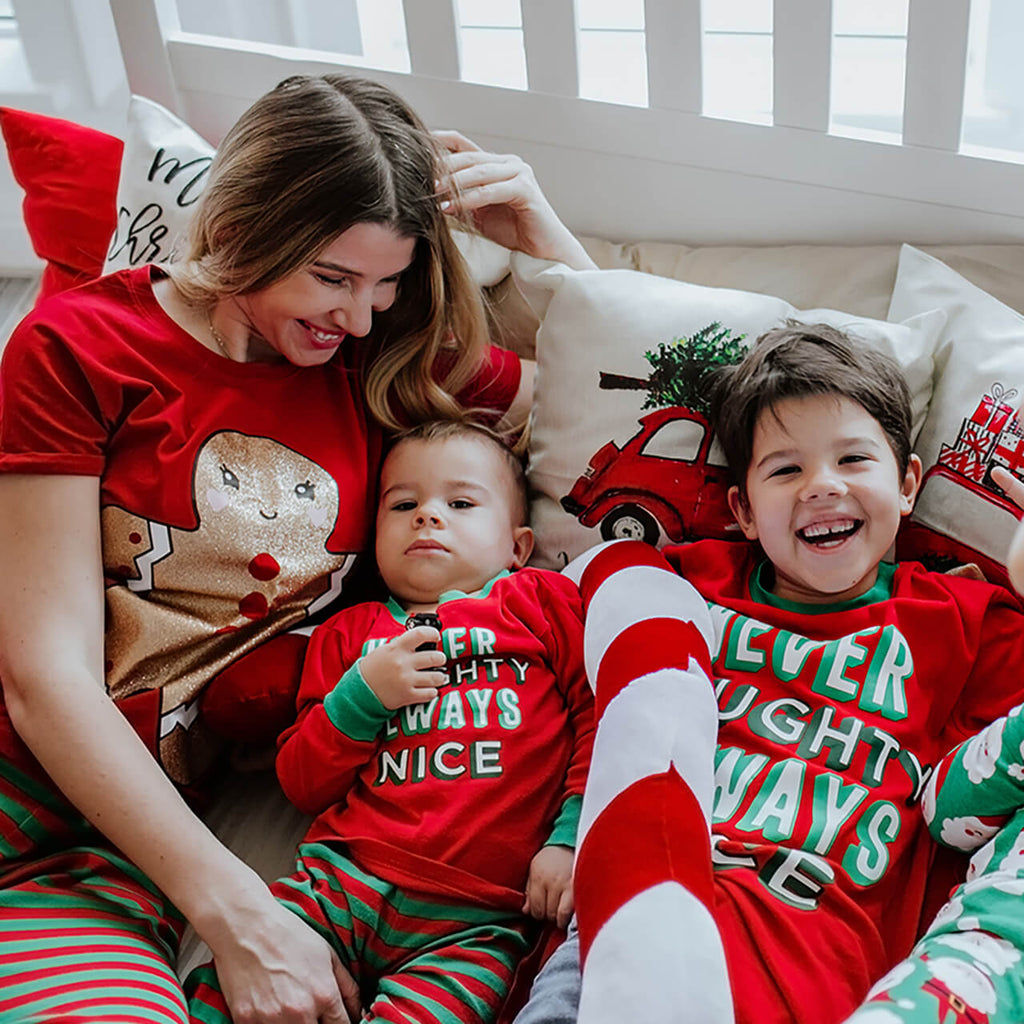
394,671
549,888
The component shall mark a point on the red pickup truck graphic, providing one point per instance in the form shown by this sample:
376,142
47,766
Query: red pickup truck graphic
668,481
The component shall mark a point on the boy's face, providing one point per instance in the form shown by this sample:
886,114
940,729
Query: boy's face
824,496
446,519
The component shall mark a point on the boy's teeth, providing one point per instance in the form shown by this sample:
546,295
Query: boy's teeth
839,527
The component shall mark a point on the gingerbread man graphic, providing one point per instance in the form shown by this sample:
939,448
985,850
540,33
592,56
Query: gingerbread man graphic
183,603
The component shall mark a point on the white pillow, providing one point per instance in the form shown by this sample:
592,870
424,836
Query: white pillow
163,171
659,476
972,422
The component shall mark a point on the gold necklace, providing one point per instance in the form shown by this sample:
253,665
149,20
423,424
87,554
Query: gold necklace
217,335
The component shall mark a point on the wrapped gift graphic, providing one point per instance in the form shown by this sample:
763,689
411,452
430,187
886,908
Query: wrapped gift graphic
994,411
1009,453
975,441
964,462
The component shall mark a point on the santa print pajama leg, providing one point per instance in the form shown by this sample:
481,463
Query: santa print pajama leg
643,879
969,966
416,958
84,935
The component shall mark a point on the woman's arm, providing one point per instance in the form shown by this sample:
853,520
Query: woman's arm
520,408
51,664
501,194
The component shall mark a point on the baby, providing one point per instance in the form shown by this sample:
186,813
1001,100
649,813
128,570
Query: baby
443,741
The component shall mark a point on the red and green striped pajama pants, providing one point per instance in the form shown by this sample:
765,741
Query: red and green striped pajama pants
416,957
84,935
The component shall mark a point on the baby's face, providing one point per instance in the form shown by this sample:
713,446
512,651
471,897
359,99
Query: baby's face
446,519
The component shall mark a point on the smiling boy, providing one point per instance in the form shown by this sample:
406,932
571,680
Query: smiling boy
446,782
840,678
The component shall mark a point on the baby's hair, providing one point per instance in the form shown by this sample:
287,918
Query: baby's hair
798,361
447,430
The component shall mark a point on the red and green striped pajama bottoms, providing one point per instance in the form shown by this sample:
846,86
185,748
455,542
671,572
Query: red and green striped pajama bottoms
84,935
416,957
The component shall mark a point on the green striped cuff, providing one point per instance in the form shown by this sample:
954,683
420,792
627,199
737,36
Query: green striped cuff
566,824
354,709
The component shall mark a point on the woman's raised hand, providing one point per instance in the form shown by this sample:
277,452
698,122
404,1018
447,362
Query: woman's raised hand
500,194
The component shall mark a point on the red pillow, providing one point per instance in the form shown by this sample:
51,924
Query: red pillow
69,174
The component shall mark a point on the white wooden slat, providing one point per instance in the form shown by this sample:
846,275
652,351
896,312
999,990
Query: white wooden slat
70,73
802,63
936,68
549,39
626,173
143,27
673,38
432,33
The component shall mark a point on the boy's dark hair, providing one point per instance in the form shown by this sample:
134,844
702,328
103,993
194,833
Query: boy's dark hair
799,360
445,430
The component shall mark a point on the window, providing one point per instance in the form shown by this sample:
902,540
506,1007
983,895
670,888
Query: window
869,62
737,62
491,42
994,89
679,440
611,50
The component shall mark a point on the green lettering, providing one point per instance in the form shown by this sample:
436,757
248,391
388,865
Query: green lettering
509,715
867,861
739,654
890,668
734,772
416,717
391,770
774,808
478,701
833,805
451,715
771,721
841,740
839,655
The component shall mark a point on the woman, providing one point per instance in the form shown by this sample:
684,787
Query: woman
196,448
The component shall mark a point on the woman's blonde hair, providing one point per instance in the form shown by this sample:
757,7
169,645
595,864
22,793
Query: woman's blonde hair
307,161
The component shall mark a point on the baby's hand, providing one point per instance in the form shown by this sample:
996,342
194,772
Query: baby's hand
394,671
549,888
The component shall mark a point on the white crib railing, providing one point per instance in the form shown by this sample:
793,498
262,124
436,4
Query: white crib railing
666,171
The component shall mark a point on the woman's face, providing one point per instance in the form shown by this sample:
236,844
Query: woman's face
308,314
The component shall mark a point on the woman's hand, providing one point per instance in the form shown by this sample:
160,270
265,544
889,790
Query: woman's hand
276,970
549,887
1014,489
399,674
501,196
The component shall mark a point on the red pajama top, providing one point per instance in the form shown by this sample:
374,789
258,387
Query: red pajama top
458,794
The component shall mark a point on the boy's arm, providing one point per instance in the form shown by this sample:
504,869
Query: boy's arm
978,785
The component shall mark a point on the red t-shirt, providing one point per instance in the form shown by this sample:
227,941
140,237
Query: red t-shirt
234,496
